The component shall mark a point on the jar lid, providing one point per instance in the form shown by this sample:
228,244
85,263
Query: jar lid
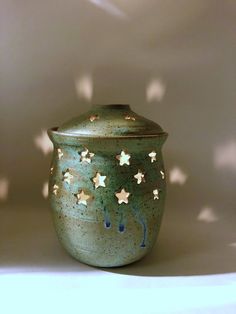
113,120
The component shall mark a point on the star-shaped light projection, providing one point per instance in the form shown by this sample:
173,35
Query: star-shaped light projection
123,158
162,174
51,170
156,194
86,156
60,153
55,189
153,156
122,196
140,177
67,177
94,117
99,180
130,118
82,198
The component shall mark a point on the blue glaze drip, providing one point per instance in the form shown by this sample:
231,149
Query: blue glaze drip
144,233
142,222
121,227
107,222
121,222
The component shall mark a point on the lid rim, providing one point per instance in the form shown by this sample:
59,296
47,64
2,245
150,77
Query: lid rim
70,135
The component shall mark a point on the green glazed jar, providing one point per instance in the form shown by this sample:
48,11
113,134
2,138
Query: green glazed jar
107,185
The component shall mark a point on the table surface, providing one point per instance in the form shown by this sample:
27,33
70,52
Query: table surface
192,269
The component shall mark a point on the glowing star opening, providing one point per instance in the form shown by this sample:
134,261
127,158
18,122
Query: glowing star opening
67,176
156,194
93,118
153,156
162,174
99,180
55,189
139,177
122,196
86,156
130,118
82,198
59,153
123,158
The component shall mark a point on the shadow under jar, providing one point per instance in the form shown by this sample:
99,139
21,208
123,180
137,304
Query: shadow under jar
107,185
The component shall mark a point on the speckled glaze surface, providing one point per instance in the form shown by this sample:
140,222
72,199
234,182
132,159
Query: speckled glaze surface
107,185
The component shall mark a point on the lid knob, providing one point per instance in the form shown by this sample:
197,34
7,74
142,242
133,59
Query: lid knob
112,106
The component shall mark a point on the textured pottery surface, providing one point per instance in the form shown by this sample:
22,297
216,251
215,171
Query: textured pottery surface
107,185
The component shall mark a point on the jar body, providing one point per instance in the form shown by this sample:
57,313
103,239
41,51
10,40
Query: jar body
103,227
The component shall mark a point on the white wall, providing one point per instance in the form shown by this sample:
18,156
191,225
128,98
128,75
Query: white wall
120,46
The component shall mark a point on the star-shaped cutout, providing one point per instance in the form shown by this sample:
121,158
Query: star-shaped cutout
122,196
55,189
123,158
82,198
67,177
156,194
60,153
140,177
153,155
94,117
130,118
99,180
86,156
162,174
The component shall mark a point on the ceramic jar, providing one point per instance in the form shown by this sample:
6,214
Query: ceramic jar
107,185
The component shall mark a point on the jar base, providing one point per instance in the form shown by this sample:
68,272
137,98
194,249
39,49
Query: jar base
106,262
